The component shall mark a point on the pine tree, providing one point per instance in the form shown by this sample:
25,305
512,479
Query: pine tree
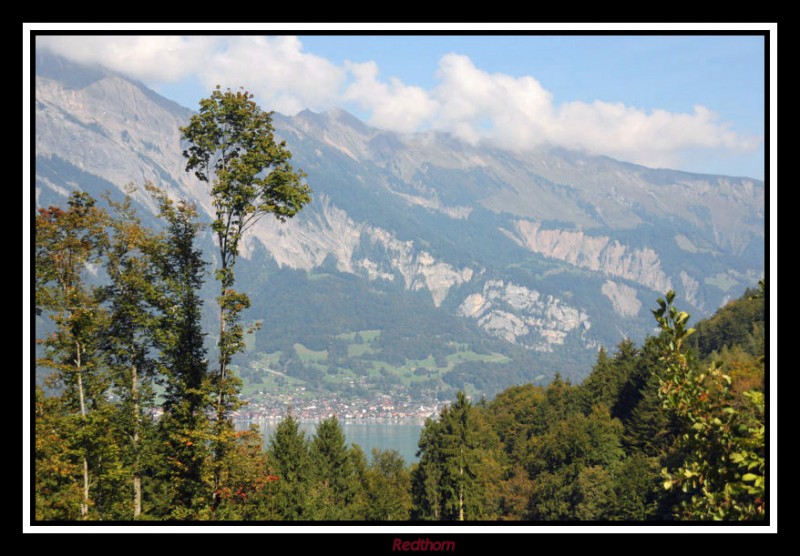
462,490
651,428
609,375
332,471
289,458
184,426
448,483
359,480
426,477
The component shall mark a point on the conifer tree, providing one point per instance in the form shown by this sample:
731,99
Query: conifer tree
426,477
447,484
289,458
184,425
332,471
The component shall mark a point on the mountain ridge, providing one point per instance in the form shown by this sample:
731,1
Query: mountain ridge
425,214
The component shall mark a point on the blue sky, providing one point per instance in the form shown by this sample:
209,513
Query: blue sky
687,102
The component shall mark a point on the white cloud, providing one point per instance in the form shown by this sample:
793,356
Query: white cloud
518,113
393,106
478,105
155,57
654,139
277,71
509,112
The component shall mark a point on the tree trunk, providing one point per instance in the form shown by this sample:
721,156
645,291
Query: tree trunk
137,477
137,495
85,503
461,488
219,448
461,496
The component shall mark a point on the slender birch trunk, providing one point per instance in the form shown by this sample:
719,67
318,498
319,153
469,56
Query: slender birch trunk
78,370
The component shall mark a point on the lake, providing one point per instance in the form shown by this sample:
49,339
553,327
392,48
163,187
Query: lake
385,435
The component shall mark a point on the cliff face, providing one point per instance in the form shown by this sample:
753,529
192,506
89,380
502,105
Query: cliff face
622,297
600,253
329,231
113,130
524,316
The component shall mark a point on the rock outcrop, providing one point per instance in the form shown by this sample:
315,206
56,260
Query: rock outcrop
598,253
623,298
524,316
329,231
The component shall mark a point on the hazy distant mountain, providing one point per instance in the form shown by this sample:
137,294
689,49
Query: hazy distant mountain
523,263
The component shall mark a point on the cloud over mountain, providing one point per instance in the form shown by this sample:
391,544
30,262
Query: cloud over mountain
516,113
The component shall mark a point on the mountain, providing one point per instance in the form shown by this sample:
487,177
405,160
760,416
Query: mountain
424,264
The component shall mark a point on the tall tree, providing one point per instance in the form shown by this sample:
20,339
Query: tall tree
129,341
232,147
67,242
426,476
459,448
184,425
449,483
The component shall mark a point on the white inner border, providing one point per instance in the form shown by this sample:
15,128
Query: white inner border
406,531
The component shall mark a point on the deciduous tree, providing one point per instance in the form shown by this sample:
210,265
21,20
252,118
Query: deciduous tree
723,472
133,297
232,147
68,243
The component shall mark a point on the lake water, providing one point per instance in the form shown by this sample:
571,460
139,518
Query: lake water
386,435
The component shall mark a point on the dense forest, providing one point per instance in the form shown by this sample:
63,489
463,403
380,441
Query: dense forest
135,422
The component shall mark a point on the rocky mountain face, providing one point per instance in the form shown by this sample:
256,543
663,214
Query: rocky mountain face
520,315
597,253
547,251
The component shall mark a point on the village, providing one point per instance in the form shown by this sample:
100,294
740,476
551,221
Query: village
302,407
